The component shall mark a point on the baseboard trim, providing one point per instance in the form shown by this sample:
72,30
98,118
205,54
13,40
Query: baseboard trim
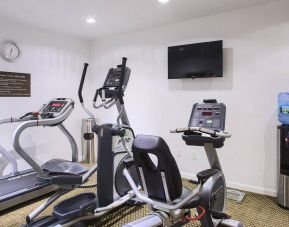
238,186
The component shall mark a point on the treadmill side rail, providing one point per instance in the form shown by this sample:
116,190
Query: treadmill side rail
19,198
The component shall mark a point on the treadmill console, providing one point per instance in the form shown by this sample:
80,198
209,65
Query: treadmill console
56,107
209,114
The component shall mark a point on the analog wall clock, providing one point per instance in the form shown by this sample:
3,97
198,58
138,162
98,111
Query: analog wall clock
10,51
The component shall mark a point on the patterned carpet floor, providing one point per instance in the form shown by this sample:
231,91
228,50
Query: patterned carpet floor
255,211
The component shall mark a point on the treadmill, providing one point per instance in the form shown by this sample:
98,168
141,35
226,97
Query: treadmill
23,186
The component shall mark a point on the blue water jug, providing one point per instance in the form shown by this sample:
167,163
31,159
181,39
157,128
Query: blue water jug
283,107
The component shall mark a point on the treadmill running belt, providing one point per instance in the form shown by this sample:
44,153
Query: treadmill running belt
17,183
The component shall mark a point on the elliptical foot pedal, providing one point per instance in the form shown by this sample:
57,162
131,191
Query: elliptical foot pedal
194,182
135,202
75,206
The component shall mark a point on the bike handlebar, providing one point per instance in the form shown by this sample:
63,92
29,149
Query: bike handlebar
211,132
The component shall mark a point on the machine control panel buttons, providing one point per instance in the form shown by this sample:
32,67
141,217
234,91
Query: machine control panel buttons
55,106
114,78
208,115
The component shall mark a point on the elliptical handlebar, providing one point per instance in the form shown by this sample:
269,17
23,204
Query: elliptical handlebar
120,93
221,134
106,104
80,93
82,82
95,96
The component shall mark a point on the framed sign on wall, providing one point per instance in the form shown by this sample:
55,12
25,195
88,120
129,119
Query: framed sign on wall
14,84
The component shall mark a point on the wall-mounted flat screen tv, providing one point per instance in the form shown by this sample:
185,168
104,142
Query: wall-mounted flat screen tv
196,60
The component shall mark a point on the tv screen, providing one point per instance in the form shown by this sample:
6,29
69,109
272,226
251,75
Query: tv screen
196,60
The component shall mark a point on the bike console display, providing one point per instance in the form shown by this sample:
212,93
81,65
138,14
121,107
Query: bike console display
209,114
56,107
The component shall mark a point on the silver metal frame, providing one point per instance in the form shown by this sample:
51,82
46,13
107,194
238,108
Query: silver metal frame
71,141
165,185
122,120
57,195
204,189
156,203
106,104
10,159
180,203
100,211
35,123
48,202
21,196
89,114
13,201
122,114
6,154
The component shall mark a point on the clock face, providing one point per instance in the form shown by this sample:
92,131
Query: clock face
9,51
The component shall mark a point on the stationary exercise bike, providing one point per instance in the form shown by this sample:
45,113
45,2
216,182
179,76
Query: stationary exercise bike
170,202
113,191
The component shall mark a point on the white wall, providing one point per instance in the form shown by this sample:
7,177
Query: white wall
256,58
55,62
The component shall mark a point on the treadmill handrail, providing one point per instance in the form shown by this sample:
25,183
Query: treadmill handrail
9,158
35,123
11,120
72,142
18,119
3,151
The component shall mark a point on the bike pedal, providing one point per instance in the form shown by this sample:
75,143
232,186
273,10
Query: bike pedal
219,215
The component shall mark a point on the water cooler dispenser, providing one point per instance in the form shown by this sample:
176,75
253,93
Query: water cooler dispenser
283,151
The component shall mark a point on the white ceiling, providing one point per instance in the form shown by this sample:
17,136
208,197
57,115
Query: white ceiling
112,16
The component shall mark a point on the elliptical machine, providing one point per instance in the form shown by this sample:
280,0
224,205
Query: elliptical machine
117,137
171,202
112,189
